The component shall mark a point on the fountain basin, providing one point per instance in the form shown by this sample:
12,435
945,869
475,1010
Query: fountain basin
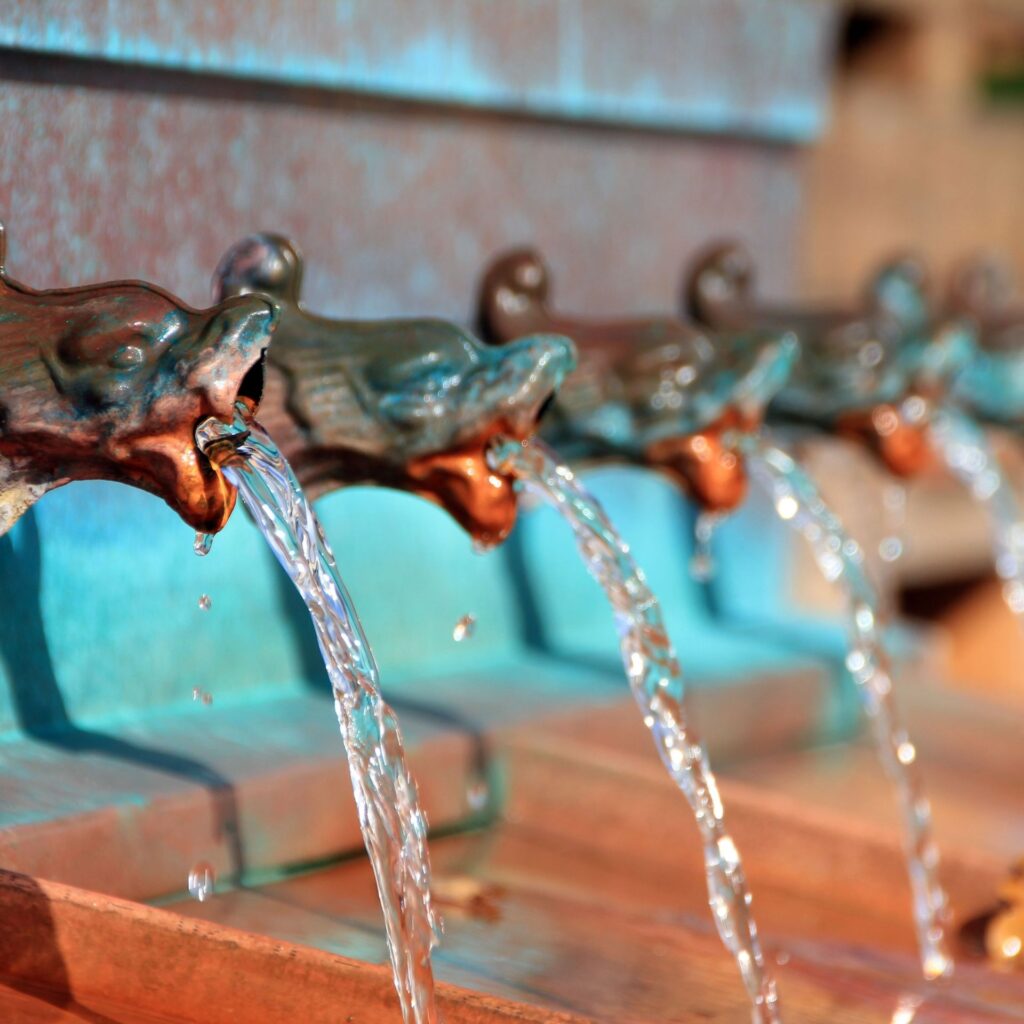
542,913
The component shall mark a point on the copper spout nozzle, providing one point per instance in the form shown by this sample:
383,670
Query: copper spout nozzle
903,447
709,470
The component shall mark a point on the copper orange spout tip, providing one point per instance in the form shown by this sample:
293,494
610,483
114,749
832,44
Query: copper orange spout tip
482,501
904,448
703,465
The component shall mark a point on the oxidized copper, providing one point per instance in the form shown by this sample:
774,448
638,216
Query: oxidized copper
706,463
411,404
869,373
109,381
648,390
901,444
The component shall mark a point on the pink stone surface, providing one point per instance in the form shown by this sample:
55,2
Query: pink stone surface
396,212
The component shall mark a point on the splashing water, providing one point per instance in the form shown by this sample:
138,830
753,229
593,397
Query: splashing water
394,829
657,685
906,1009
964,447
892,546
841,561
202,880
464,628
702,562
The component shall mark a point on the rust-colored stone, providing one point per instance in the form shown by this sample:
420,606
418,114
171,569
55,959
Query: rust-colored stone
109,381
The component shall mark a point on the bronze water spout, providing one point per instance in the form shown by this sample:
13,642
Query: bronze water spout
868,373
411,404
109,381
649,390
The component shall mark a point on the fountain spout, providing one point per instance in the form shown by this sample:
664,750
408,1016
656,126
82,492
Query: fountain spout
648,390
870,373
109,382
411,404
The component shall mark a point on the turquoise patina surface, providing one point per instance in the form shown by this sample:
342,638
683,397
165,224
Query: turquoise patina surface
99,615
701,66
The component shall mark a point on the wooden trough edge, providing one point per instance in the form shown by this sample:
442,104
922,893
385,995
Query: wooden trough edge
87,946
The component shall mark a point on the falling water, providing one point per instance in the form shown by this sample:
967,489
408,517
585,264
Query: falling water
394,829
965,448
657,685
841,561
892,546
202,881
702,563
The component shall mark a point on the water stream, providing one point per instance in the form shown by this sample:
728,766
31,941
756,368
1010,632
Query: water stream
657,685
964,446
841,561
394,829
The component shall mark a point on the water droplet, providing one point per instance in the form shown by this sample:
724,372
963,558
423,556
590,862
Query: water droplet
196,693
1013,593
728,853
201,881
701,567
856,661
203,544
787,506
906,752
1011,947
464,628
782,958
864,617
199,694
477,795
890,549
207,699
915,408
906,1009
205,604
702,564
937,965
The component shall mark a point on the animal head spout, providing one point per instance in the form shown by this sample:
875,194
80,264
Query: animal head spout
412,404
109,382
649,390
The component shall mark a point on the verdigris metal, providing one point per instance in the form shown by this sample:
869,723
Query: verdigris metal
108,382
649,390
410,404
867,371
699,66
991,386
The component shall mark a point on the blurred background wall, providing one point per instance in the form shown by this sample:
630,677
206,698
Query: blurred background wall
925,140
